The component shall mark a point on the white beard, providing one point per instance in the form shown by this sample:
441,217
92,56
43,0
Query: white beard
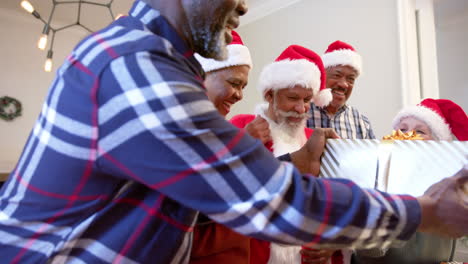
284,141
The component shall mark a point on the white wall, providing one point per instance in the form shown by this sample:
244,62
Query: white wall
452,39
21,68
22,76
369,25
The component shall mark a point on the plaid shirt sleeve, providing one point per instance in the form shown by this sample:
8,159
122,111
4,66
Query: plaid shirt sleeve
368,128
165,133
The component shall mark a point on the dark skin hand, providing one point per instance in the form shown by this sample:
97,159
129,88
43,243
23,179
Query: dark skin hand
260,129
307,158
444,206
316,256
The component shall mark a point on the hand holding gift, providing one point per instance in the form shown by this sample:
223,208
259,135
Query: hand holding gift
307,158
259,128
445,206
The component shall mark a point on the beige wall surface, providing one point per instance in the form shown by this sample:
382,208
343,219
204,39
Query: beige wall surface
22,77
21,68
452,54
369,25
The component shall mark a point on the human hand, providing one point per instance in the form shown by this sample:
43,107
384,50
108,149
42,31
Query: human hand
307,158
315,256
444,206
259,128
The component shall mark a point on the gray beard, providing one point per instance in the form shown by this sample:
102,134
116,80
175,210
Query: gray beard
290,128
208,37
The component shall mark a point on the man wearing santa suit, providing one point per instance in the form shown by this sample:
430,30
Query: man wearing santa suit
288,86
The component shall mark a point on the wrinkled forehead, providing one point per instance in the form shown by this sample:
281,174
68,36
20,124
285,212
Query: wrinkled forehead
343,69
412,122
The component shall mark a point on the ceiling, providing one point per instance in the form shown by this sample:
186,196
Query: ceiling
96,17
93,17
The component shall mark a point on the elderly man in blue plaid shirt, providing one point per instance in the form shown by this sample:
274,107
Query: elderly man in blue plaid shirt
128,148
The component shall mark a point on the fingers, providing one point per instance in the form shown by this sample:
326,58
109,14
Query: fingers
259,129
313,256
462,175
328,132
314,261
316,253
264,135
439,204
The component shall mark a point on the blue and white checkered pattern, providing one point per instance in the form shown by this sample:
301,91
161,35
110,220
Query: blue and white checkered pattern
347,122
128,149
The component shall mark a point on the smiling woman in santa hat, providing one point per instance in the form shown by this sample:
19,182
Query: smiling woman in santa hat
432,119
442,118
226,79
224,82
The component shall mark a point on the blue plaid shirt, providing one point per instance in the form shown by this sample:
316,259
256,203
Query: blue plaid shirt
347,122
128,148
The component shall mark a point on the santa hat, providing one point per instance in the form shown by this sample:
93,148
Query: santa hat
238,54
296,65
341,53
444,117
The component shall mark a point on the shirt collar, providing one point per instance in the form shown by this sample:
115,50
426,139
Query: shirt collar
324,110
159,25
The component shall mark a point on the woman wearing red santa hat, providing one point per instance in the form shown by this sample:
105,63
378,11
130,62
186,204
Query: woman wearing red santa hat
224,82
432,119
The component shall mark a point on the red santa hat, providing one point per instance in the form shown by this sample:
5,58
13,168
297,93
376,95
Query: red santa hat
445,118
238,54
296,65
341,53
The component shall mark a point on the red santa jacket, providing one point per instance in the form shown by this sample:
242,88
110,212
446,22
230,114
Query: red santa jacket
260,250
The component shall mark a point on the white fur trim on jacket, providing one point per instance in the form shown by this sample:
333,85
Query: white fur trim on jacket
343,57
288,73
284,254
237,55
440,130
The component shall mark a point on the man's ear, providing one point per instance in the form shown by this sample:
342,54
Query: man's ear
269,96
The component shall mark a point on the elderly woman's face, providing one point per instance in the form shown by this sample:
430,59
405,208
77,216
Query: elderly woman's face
410,123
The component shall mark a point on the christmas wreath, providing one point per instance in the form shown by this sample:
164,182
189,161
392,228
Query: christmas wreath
10,108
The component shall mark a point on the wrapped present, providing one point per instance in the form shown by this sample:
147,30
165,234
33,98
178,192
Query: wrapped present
394,166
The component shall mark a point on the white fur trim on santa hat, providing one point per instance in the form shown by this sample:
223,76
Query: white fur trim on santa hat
440,130
343,57
288,73
323,98
237,55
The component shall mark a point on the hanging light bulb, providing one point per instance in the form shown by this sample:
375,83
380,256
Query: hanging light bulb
119,16
48,62
42,43
27,6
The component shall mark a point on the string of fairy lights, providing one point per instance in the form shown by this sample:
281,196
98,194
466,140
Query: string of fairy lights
49,31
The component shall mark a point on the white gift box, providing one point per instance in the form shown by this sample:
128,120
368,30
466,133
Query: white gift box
394,166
